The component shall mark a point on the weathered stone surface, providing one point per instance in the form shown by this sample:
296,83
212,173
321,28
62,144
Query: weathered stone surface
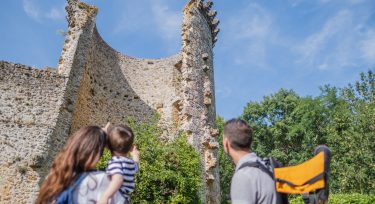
29,107
93,84
199,100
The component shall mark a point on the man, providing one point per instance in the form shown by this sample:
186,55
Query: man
249,184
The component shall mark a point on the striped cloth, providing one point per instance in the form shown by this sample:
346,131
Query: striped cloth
127,168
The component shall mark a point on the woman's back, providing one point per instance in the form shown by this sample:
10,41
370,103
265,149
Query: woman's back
91,188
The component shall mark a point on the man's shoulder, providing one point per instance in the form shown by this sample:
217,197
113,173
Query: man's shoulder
248,174
251,184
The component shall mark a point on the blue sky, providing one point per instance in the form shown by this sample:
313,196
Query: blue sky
263,45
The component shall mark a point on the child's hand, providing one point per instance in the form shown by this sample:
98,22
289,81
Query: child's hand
106,127
135,153
102,200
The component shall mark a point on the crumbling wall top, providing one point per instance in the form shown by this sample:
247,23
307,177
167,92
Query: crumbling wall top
75,9
206,10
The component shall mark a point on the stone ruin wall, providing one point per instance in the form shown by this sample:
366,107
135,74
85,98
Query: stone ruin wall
29,107
115,87
94,84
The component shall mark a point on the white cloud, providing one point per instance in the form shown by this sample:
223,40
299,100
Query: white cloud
252,22
248,36
356,1
319,4
125,25
33,10
295,3
168,21
133,18
324,1
368,47
317,41
253,36
344,41
55,14
332,46
224,92
154,16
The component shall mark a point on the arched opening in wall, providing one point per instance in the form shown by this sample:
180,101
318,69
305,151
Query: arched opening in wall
141,28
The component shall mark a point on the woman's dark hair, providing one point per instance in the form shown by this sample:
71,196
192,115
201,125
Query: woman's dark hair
239,134
80,153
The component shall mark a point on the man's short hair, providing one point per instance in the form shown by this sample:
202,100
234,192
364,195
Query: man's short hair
120,139
239,134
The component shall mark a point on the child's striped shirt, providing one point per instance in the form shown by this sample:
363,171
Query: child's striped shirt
127,168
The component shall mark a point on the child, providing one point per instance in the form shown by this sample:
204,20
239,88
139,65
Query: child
121,169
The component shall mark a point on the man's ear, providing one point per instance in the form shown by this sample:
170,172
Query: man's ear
226,144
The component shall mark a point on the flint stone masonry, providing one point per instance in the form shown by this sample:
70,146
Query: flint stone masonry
93,84
29,107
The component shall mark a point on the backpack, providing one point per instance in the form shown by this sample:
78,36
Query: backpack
310,179
66,196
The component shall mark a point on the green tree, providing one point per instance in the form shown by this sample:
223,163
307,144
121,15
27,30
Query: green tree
288,127
352,136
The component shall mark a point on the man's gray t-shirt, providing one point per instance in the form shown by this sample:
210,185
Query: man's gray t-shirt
252,185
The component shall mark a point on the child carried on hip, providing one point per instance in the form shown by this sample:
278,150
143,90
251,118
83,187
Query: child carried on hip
121,169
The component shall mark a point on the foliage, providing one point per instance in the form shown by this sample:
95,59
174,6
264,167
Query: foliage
288,127
343,199
169,171
102,164
226,166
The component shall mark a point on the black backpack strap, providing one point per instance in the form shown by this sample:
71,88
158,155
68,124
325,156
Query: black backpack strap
258,165
281,198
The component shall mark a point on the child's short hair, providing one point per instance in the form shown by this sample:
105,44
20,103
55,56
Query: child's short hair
120,139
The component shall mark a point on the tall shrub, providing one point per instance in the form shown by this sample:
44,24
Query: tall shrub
169,170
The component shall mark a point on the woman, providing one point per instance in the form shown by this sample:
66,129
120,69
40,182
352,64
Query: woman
80,154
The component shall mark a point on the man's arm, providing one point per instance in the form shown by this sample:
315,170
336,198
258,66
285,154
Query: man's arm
114,185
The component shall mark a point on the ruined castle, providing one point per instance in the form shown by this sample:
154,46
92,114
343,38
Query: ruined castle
93,84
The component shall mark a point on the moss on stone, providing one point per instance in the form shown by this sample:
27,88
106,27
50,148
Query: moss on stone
92,10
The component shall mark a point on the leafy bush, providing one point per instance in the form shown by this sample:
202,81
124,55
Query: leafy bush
169,171
226,166
102,164
343,199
